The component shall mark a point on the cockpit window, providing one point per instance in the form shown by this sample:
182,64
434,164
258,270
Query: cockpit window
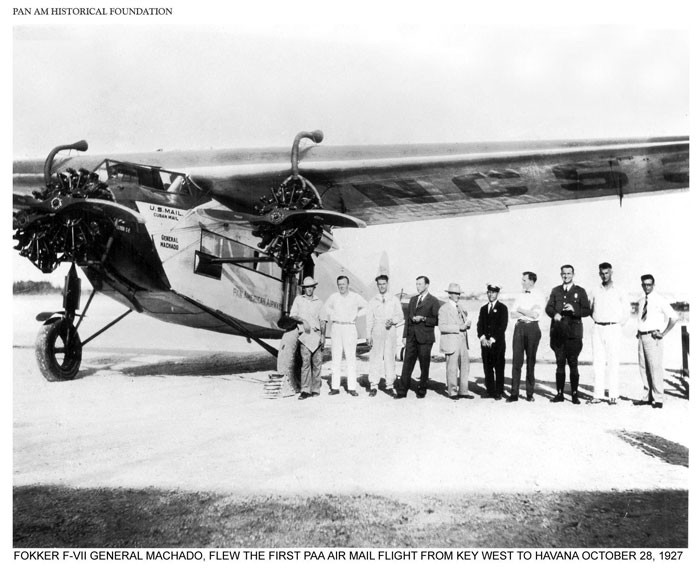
154,178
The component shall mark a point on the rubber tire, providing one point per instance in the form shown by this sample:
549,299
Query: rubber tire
50,366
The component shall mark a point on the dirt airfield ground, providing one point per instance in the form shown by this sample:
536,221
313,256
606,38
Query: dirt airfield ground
157,445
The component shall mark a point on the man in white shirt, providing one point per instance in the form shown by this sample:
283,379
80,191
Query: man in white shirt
656,319
342,309
527,308
384,313
611,309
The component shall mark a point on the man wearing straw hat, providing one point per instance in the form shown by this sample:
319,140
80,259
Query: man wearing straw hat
453,325
307,311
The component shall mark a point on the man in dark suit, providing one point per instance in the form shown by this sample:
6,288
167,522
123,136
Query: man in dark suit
419,333
567,304
491,331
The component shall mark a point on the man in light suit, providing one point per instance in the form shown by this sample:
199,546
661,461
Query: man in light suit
419,333
491,329
453,325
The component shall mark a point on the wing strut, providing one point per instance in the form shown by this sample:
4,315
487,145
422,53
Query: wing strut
235,324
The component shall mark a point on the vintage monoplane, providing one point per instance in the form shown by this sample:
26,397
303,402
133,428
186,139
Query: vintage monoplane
220,239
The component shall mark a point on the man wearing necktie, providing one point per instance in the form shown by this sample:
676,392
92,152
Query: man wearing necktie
491,330
567,304
453,325
656,319
419,333
384,313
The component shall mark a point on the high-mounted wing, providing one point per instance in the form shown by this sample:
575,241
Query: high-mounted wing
385,184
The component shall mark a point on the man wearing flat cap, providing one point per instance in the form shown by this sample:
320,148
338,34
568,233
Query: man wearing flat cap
491,330
307,310
453,325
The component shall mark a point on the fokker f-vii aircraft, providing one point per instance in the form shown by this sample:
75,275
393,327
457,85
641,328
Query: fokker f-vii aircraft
220,239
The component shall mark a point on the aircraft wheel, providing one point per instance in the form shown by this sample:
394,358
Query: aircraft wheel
58,361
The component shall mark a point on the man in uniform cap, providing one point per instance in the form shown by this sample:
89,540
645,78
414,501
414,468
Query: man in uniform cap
491,330
453,325
307,311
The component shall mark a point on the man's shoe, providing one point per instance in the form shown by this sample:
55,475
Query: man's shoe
498,397
454,397
420,394
575,400
304,395
400,396
657,405
466,396
353,393
372,392
594,401
512,399
334,392
530,399
558,398
487,396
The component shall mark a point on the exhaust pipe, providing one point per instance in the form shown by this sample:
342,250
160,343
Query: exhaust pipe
77,146
315,136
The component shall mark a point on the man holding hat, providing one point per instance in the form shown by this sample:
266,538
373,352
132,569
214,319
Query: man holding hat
453,325
307,311
384,312
491,329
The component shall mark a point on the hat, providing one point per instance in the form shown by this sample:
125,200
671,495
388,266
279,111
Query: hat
454,288
493,287
309,281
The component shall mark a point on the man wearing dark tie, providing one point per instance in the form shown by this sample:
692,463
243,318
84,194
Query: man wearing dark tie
567,304
491,331
419,333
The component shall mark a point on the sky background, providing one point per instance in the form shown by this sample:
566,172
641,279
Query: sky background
386,76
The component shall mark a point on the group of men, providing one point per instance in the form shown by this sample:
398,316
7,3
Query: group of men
566,305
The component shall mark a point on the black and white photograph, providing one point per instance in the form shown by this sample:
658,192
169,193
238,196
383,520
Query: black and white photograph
389,282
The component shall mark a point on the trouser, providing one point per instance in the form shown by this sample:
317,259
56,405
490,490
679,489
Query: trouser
651,367
415,351
566,351
457,369
382,356
606,360
311,362
343,341
494,360
526,338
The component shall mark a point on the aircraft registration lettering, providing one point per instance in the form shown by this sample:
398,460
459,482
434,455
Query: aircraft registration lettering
386,195
169,242
491,185
591,175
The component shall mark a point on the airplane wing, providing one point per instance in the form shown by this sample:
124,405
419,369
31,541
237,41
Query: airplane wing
387,184
398,183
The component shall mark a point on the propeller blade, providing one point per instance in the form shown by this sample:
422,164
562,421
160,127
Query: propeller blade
279,217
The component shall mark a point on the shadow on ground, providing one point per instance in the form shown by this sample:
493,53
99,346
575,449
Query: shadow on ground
202,365
48,516
667,451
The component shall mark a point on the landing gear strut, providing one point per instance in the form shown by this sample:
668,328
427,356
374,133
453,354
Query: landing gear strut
58,348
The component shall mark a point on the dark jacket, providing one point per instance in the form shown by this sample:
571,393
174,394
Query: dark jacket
424,331
493,325
570,325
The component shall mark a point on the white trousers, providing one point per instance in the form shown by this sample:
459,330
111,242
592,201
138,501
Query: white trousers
606,360
651,368
382,356
343,341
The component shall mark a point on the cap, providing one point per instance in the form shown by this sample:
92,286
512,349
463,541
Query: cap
493,287
454,288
